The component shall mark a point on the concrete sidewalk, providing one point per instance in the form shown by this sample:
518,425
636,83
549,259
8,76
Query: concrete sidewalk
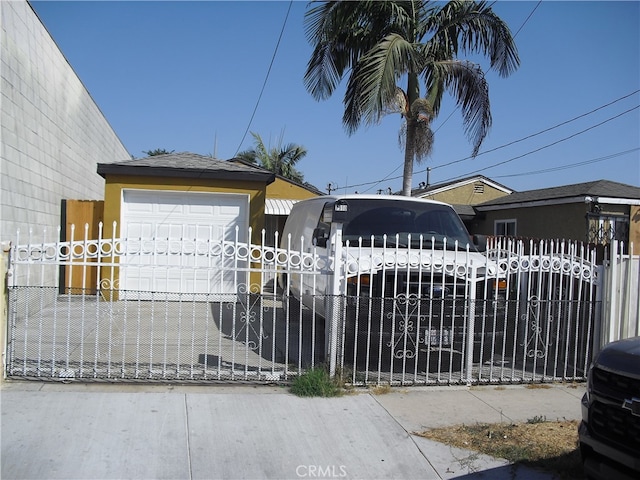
98,431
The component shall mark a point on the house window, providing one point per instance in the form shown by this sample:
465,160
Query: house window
478,188
602,229
505,228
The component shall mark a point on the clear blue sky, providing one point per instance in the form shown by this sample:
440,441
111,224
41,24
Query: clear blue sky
187,76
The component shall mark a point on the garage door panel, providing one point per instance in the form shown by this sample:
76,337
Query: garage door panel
170,225
201,210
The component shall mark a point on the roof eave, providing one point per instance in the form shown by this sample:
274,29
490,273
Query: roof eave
105,169
557,201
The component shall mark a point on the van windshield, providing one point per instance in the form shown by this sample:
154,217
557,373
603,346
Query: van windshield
401,221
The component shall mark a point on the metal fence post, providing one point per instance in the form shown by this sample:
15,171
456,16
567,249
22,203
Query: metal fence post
4,273
472,279
335,290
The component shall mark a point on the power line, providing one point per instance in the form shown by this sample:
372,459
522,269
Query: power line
571,165
550,144
527,19
539,132
373,184
264,84
513,142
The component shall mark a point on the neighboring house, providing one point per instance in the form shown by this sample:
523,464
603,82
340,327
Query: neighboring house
281,195
183,196
52,133
593,212
463,193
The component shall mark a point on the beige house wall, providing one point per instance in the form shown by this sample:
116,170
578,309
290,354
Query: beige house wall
466,194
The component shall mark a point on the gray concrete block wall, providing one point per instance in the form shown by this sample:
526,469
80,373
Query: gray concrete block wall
52,134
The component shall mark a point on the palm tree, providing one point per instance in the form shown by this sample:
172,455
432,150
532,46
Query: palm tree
280,160
157,151
380,44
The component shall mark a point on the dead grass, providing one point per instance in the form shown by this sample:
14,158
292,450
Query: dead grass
550,446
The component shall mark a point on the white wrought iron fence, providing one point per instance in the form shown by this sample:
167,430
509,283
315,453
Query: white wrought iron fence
621,295
205,309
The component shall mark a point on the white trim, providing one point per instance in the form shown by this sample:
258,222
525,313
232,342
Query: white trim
537,203
617,201
558,201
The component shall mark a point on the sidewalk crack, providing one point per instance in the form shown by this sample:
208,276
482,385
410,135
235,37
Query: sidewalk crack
188,435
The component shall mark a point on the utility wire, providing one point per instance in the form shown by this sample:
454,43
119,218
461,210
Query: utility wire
537,133
388,177
510,143
571,165
548,145
264,84
527,19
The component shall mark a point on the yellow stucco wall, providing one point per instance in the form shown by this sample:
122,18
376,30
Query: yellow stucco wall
283,190
466,195
634,228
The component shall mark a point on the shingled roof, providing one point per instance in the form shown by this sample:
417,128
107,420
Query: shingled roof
598,188
186,165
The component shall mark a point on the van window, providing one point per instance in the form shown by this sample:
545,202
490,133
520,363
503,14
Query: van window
323,229
373,219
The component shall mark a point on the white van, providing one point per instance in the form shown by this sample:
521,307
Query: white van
375,226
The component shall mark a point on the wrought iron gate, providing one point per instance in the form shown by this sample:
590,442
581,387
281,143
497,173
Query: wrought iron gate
526,313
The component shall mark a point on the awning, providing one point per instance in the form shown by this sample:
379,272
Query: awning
277,206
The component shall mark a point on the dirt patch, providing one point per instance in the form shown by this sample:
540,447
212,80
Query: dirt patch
549,446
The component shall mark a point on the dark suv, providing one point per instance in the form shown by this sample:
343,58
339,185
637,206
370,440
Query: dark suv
610,428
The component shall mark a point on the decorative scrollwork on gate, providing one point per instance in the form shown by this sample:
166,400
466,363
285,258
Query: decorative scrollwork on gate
249,332
535,345
404,343
560,263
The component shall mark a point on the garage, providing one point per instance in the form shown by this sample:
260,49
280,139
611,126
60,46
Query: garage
167,234
172,211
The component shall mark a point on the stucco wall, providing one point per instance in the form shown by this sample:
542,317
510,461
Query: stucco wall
549,222
52,133
281,189
634,228
466,195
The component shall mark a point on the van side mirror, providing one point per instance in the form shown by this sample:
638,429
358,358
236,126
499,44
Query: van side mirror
320,237
480,242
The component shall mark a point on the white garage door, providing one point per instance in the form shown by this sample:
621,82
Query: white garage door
162,229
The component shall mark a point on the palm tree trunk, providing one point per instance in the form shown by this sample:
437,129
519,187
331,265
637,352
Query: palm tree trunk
413,92
409,155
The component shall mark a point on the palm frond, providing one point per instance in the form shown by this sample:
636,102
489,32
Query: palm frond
379,43
467,84
342,32
473,27
372,88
